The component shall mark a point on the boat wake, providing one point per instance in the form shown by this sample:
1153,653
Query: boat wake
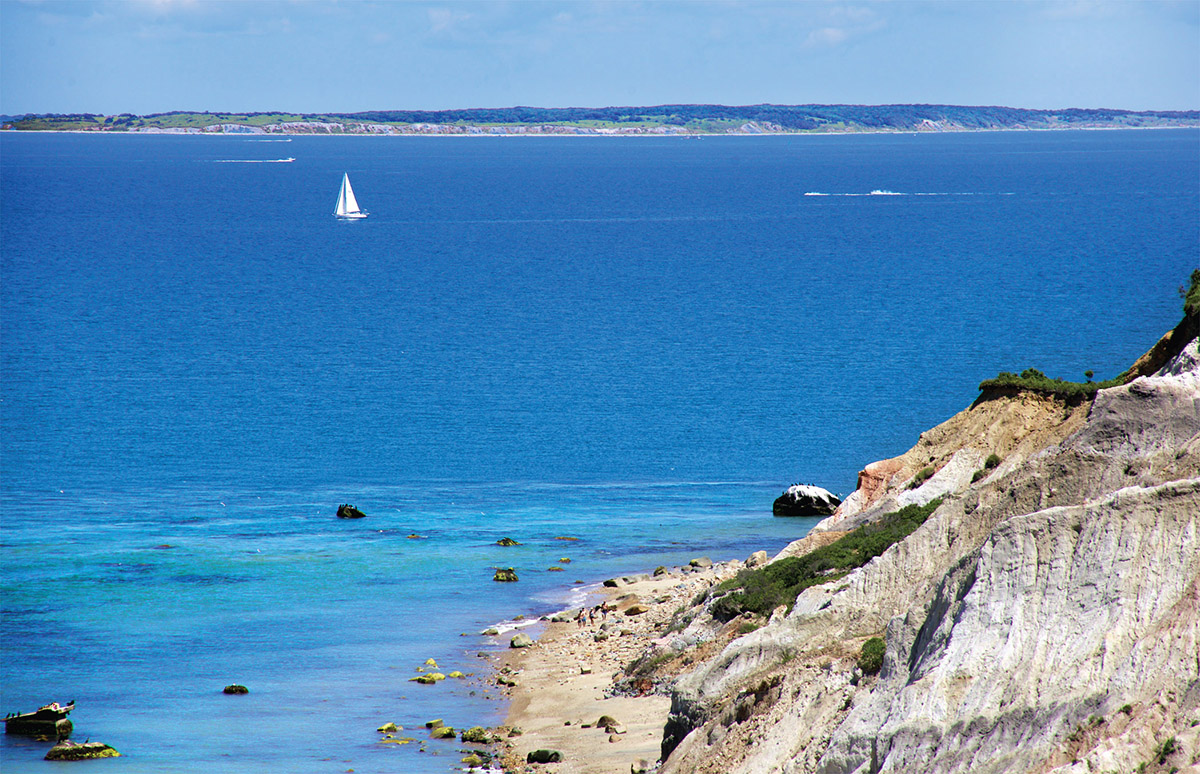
288,160
885,192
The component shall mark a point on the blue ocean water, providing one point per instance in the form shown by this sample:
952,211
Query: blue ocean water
638,342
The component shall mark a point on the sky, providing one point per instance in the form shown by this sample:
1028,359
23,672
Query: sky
148,56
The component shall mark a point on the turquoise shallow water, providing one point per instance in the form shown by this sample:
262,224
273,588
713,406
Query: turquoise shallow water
636,342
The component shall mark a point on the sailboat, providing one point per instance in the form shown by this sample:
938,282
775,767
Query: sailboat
347,205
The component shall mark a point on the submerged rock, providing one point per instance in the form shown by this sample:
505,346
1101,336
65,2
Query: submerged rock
805,500
236,690
345,511
76,751
507,541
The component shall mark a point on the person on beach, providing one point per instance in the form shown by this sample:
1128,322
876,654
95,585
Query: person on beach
579,618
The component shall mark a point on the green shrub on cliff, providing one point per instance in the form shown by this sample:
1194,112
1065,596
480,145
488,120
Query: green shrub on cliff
870,661
1191,298
766,588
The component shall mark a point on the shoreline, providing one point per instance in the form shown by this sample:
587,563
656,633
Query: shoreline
573,675
589,135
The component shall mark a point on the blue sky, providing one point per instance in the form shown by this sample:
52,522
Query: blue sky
143,56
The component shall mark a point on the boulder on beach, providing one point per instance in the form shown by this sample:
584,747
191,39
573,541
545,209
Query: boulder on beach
702,562
505,575
522,640
757,558
478,735
80,751
345,511
544,756
805,500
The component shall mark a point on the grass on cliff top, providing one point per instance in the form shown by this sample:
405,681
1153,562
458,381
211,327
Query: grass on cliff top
762,590
1035,381
1191,297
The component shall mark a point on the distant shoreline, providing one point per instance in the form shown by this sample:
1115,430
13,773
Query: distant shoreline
585,135
686,120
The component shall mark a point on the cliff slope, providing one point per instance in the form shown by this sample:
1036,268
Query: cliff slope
1046,617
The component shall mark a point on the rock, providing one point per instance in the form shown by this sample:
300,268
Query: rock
544,756
236,690
521,640
492,632
506,681
478,735
703,562
555,569
757,559
349,512
434,723
804,500
611,583
606,721
601,636
76,751
515,731
636,609
473,761
641,766
388,728
660,570
507,542
565,616
505,575
431,662
443,732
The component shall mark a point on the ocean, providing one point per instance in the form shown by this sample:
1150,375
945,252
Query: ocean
634,342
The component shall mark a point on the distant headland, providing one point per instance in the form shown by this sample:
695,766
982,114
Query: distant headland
656,120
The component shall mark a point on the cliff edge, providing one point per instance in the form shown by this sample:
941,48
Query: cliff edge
1044,618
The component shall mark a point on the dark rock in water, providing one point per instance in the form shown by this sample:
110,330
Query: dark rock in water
544,756
349,512
48,722
506,575
236,690
805,500
72,751
507,542
443,732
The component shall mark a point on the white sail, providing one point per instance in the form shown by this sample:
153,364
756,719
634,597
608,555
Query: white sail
347,205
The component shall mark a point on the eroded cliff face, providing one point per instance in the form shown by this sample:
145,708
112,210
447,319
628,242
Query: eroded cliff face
1045,618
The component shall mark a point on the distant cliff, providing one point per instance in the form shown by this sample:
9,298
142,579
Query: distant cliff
659,119
1044,618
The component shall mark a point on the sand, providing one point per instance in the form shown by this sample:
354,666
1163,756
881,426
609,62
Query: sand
565,680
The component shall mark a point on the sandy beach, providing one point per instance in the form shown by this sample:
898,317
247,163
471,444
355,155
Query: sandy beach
574,675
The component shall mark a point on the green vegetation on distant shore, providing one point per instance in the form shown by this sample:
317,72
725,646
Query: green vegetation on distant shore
762,590
694,119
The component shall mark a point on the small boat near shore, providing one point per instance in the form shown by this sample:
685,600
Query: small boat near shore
50,721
